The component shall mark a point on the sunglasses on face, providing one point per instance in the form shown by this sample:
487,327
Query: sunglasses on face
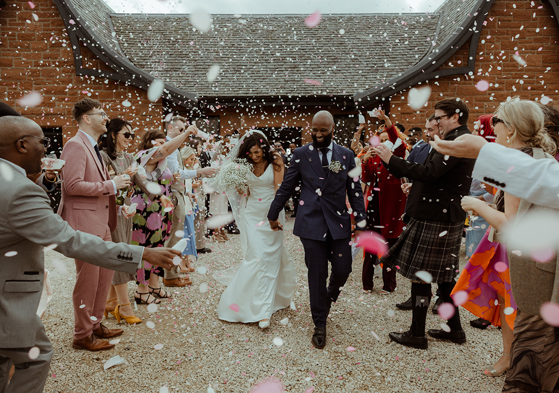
43,141
438,118
495,120
128,135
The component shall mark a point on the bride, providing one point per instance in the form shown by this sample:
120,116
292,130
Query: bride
265,280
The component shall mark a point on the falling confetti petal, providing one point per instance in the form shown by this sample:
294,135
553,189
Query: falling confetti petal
550,313
417,97
313,19
269,385
362,224
93,318
179,234
11,254
460,298
219,220
126,103
155,90
213,72
204,287
34,353
443,233
350,349
446,311
152,308
545,100
372,242
424,276
150,325
153,188
31,99
501,267
201,20
157,347
313,82
210,390
482,85
374,141
390,313
278,341
310,390
534,232
375,336
543,256
519,60
234,307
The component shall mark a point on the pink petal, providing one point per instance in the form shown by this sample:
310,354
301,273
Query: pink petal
446,311
31,4
234,307
501,267
350,349
460,298
31,99
310,390
313,20
550,313
372,242
313,82
482,85
270,385
543,255
375,141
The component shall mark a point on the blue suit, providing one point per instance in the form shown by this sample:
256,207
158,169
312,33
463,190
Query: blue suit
323,222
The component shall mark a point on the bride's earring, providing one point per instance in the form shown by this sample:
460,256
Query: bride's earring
508,139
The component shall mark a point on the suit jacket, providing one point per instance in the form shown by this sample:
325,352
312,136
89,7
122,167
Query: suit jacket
439,183
419,153
519,174
88,196
27,224
323,200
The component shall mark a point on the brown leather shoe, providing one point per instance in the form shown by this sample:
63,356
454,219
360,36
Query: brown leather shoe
91,343
177,282
104,332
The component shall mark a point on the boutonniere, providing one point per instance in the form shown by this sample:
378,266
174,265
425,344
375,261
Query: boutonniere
335,166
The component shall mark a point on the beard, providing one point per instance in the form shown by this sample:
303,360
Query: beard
325,143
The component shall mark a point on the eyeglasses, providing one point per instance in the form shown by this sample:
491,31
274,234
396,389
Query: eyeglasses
44,141
103,114
438,118
495,120
128,135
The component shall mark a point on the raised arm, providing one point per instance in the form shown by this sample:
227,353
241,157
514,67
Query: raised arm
169,147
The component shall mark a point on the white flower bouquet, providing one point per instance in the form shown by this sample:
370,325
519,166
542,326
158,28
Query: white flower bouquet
234,175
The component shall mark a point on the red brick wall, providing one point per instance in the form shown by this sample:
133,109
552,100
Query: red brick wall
495,63
36,55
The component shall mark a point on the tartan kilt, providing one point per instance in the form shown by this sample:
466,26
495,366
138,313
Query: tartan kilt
420,247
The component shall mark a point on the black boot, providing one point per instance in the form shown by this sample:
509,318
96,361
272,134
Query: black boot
415,337
456,334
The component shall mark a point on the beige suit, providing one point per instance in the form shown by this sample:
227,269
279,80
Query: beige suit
27,225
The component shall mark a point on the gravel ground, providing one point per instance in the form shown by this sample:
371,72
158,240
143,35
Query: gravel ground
200,352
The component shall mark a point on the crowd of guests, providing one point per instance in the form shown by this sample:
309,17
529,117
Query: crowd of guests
444,204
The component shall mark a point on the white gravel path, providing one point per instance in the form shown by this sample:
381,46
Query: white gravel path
200,351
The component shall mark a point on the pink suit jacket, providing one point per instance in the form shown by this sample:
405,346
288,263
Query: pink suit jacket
88,197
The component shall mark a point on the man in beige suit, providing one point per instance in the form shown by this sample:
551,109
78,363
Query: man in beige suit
27,225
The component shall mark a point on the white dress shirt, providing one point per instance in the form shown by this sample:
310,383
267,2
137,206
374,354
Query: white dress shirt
328,155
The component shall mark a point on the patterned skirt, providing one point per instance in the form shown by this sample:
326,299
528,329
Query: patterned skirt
430,246
534,356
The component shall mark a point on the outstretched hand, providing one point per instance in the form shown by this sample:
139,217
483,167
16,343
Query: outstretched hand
276,226
161,256
383,152
465,146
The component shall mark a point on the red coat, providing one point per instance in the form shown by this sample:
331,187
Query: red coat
392,200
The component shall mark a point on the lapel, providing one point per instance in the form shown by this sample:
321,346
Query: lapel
314,160
87,144
336,156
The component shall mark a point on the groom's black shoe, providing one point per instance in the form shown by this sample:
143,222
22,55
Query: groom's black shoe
457,336
319,337
409,340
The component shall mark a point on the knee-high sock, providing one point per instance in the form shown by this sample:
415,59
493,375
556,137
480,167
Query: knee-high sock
421,297
445,290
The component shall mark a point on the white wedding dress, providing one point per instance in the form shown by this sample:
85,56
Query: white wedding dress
265,280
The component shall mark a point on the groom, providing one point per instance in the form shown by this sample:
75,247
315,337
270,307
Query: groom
323,222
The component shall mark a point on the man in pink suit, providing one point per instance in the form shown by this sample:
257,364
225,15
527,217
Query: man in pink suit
88,205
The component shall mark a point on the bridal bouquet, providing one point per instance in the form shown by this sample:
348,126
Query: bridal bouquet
233,175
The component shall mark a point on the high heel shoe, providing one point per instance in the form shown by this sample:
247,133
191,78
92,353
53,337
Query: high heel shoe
107,311
141,300
264,324
491,372
131,320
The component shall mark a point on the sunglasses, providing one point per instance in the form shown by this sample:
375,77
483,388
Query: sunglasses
438,118
128,135
43,141
495,120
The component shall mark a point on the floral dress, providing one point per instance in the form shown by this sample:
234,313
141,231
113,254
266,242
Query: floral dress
151,224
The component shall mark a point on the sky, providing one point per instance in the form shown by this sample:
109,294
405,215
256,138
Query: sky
274,7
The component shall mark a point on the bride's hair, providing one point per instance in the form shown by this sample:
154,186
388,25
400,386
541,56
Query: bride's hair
262,142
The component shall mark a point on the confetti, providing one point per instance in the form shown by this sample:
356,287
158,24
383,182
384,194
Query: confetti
375,336
501,267
284,321
157,347
313,82
519,60
163,389
10,254
374,141
446,311
126,103
155,90
219,220
313,19
443,233
152,308
150,325
424,276
278,341
508,311
350,349
545,100
93,318
115,341
460,298
201,20
234,307
445,327
372,243
153,188
34,353
482,85
203,287
179,233
31,99
269,385
550,313
177,260
82,305
390,313
114,361
213,73
202,270
543,256
417,97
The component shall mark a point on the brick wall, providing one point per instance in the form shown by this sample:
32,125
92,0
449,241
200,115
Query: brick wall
526,27
36,55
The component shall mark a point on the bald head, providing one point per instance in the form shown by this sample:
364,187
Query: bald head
323,116
20,142
322,127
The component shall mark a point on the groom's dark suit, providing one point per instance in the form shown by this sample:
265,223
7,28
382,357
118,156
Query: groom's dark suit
323,222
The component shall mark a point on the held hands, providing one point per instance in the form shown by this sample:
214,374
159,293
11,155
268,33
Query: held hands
276,226
161,256
383,152
406,187
121,181
465,146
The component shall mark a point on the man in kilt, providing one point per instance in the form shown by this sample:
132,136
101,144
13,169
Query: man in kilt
431,240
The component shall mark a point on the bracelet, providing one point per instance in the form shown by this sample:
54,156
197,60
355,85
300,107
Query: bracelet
50,181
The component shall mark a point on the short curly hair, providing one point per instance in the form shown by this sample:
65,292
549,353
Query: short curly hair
83,106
